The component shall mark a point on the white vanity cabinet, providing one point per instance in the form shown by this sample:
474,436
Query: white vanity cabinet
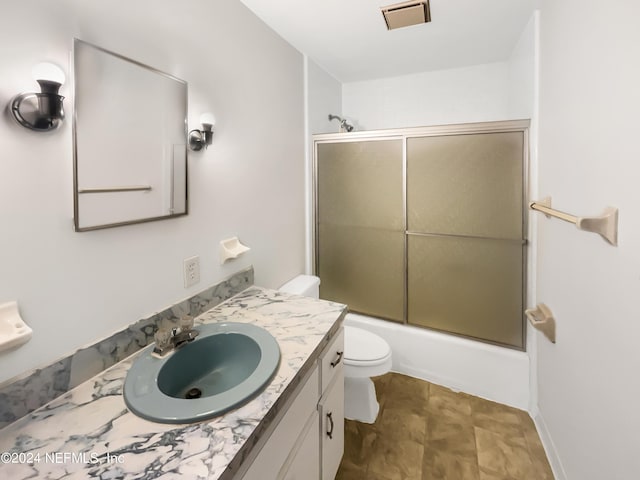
332,429
308,439
305,459
331,408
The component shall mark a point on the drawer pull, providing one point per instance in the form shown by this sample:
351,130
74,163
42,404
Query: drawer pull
337,360
330,431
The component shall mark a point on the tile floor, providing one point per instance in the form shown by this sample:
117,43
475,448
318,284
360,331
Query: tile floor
425,431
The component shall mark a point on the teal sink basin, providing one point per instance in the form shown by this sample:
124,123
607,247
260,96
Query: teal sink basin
224,367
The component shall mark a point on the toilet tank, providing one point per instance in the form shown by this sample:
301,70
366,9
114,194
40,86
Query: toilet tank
306,285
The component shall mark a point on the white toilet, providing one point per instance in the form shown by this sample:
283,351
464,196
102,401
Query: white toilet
366,355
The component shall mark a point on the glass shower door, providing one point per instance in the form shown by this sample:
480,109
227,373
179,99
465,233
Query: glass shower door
465,252
360,226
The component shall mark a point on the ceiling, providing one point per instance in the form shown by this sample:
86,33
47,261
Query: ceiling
349,39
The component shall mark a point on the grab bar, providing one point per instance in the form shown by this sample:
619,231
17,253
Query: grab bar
606,225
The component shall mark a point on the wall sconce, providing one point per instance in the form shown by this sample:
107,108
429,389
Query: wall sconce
202,138
41,111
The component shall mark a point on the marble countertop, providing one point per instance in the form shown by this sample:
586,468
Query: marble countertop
89,433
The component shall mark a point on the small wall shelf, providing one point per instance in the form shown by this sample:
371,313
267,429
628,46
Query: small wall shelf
542,319
605,225
13,331
231,248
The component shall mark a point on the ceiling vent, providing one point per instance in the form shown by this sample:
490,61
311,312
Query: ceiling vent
406,14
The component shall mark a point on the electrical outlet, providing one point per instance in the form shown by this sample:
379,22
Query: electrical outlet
191,271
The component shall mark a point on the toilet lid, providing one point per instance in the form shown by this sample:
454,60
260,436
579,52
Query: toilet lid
363,346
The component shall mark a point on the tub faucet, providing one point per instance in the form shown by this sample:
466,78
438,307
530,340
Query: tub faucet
168,340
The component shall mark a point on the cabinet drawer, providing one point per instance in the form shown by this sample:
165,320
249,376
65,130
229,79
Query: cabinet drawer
332,360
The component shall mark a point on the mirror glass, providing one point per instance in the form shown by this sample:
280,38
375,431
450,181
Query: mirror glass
130,131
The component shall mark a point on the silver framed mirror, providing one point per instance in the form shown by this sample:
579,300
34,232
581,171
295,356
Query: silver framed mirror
130,131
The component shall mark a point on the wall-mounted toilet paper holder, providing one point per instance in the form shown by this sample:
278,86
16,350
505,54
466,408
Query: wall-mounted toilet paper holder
542,319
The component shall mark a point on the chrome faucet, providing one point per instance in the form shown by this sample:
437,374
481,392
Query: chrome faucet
180,336
168,340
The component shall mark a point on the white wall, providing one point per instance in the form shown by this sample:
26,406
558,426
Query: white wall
522,73
522,102
472,94
74,288
324,96
589,158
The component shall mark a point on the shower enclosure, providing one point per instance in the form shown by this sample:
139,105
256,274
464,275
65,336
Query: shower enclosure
426,226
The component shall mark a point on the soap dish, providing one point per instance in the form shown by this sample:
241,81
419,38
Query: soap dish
13,331
231,248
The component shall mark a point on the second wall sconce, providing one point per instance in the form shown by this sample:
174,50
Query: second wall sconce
199,139
41,111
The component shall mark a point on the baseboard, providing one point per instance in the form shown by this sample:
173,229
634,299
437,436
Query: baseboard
549,447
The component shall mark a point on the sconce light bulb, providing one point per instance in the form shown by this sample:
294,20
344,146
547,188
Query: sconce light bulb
48,72
207,120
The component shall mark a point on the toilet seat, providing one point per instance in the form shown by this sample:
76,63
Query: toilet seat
363,348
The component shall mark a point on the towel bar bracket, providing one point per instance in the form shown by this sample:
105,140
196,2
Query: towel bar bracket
605,225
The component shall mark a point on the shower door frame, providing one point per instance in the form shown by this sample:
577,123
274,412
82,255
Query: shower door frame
404,134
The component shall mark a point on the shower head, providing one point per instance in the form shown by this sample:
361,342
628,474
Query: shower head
345,126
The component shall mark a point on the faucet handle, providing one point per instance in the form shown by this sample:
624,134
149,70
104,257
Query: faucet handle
186,323
162,337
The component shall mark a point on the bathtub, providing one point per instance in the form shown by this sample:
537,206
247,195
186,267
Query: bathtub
487,371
